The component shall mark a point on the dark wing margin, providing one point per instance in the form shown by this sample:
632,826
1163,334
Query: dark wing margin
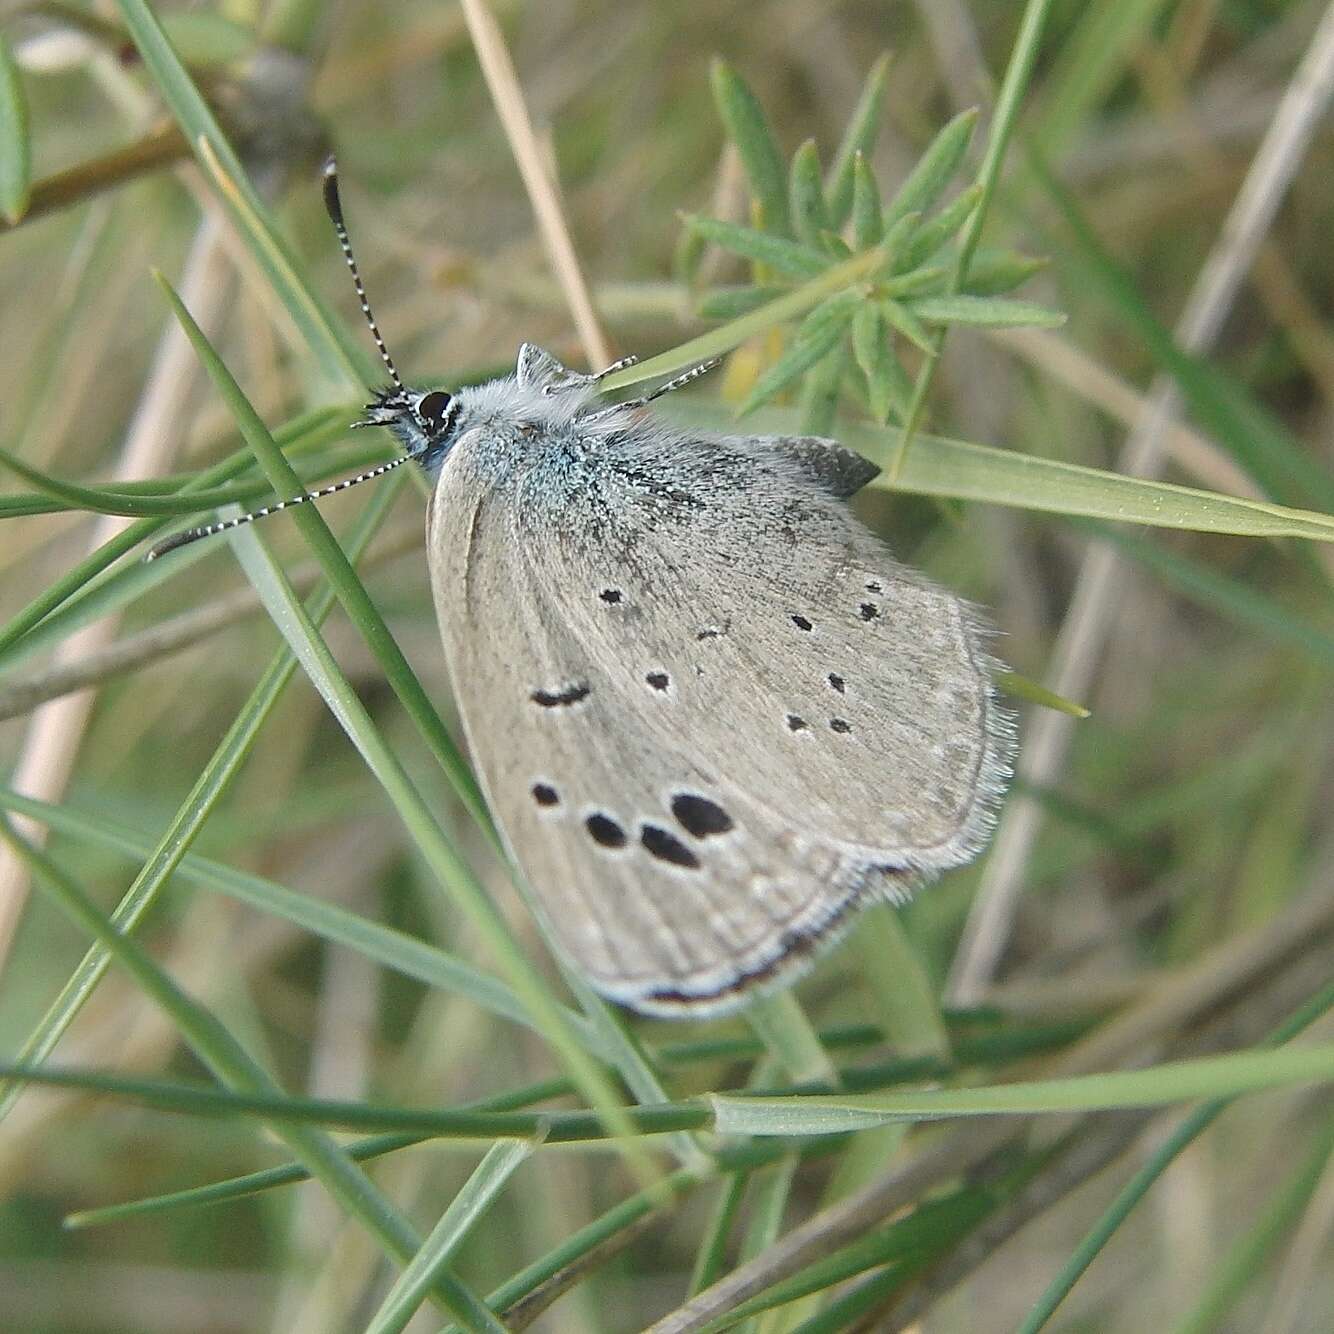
837,470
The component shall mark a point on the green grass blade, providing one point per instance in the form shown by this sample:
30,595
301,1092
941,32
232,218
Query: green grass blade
1163,1155
36,627
15,144
1157,1086
341,360
393,949
962,471
906,1005
105,500
781,1024
479,1192
1229,597
1282,466
213,781
1106,36
1023,687
582,1126
440,854
711,1257
230,1062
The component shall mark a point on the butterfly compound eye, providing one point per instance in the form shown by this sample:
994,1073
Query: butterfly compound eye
434,408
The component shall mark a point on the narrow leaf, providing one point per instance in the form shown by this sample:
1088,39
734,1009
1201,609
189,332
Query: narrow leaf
105,500
994,272
833,244
813,340
786,256
993,312
942,228
1023,687
819,393
871,347
718,341
928,179
903,319
806,195
858,141
868,225
727,303
746,127
930,278
899,234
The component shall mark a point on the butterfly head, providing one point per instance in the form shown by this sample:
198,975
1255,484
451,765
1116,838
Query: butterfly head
422,421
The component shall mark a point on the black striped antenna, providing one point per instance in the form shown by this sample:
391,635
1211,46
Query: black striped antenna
208,530
335,208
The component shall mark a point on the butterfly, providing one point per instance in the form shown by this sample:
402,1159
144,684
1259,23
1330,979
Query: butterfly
711,713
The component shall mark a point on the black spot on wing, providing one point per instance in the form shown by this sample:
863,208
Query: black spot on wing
699,816
836,682
545,795
611,596
562,698
603,830
796,723
801,623
658,680
868,611
666,847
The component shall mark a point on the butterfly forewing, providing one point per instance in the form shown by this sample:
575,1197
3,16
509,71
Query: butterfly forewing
709,709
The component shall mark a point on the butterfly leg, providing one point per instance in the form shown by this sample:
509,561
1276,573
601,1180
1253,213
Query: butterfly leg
581,380
678,382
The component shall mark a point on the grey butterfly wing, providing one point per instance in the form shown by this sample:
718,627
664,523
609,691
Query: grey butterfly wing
710,711
827,464
535,367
